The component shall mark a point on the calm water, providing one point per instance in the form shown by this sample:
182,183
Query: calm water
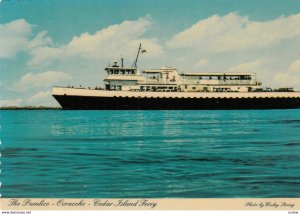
190,154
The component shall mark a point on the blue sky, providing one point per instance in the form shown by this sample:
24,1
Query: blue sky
63,42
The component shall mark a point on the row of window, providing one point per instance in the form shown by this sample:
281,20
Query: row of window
218,77
129,72
158,88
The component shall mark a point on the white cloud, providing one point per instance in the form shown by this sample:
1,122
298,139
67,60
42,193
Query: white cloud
291,77
15,36
39,96
252,66
233,33
40,80
287,80
201,62
108,43
10,102
40,39
295,67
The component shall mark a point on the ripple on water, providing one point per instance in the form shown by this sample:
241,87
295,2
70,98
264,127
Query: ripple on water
113,154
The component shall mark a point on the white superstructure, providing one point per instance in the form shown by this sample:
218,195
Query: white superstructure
167,79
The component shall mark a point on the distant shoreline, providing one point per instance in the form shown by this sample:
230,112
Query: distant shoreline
30,108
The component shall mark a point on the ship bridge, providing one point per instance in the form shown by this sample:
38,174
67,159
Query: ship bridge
122,78
115,69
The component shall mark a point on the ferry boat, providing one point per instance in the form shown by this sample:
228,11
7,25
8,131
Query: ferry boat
129,88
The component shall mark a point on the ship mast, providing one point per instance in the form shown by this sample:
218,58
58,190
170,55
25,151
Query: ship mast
137,56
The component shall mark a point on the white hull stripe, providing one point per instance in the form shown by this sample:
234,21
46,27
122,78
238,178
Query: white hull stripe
138,94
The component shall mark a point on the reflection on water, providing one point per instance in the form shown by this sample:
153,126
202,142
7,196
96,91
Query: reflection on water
150,153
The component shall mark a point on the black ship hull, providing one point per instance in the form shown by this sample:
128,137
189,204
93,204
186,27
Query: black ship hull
131,103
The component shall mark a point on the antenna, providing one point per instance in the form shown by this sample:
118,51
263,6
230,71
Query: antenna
122,61
134,64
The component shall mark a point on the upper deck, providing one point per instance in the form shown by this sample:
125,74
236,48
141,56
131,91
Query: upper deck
228,78
130,78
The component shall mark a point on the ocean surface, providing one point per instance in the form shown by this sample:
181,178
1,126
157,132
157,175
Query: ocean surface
151,154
